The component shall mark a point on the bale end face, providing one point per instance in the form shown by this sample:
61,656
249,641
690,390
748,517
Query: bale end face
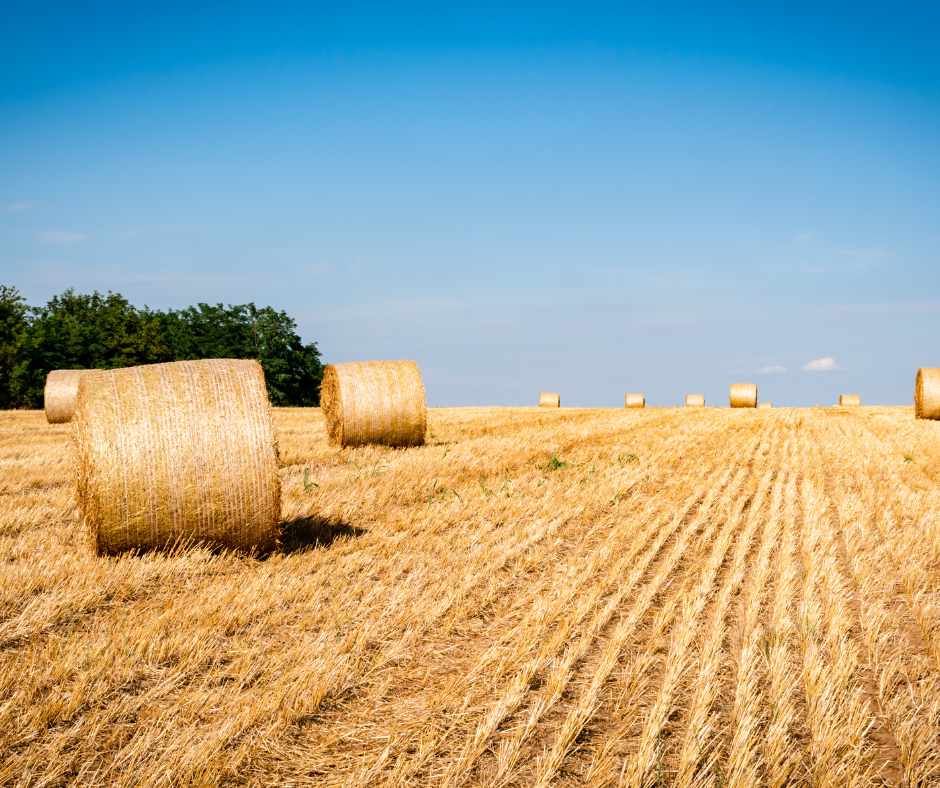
850,400
927,393
764,405
374,402
743,395
695,401
177,453
634,401
61,394
547,400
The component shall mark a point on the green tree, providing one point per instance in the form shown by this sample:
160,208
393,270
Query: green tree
293,371
75,331
13,332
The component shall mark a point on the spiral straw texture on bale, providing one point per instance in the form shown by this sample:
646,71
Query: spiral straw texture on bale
927,393
547,400
374,402
175,453
743,395
634,401
765,405
695,401
60,394
850,400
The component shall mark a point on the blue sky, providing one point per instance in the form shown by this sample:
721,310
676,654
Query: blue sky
580,198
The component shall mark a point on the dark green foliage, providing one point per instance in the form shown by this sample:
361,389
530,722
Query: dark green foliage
13,333
292,370
105,332
86,332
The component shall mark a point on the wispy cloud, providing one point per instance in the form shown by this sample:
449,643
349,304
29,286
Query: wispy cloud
136,230
58,237
822,365
811,253
11,207
875,311
770,370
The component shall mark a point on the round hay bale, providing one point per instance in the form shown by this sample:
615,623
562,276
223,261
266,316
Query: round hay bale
743,395
549,400
634,401
374,402
60,394
764,405
927,393
850,400
695,401
175,453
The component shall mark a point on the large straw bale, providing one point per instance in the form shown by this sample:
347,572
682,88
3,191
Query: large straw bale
695,401
927,393
60,394
634,401
763,405
175,453
850,400
743,395
374,402
547,400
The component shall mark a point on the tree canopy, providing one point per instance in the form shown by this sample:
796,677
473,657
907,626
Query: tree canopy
76,331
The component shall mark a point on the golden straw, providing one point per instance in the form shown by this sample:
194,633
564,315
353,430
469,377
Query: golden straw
177,452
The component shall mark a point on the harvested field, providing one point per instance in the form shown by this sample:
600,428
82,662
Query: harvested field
568,597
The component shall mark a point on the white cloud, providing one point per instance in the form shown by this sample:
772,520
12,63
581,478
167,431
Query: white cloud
822,365
17,206
770,370
58,237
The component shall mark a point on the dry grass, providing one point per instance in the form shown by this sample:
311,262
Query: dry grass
536,597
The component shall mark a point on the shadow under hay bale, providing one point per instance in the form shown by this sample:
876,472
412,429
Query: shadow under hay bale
634,401
177,453
927,393
695,401
60,394
308,533
547,400
374,402
743,395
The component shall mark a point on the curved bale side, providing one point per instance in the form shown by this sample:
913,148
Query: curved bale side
634,401
183,452
695,401
547,400
743,395
850,400
60,394
374,402
764,405
927,393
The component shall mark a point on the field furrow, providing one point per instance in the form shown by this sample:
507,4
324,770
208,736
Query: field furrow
579,597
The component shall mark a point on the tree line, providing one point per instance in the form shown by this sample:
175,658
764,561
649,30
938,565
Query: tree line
77,331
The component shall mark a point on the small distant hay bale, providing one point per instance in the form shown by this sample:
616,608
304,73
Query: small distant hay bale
743,395
850,400
695,401
634,401
764,405
927,393
60,394
175,453
374,402
549,400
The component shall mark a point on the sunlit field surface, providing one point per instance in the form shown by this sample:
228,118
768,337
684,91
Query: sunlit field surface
537,597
